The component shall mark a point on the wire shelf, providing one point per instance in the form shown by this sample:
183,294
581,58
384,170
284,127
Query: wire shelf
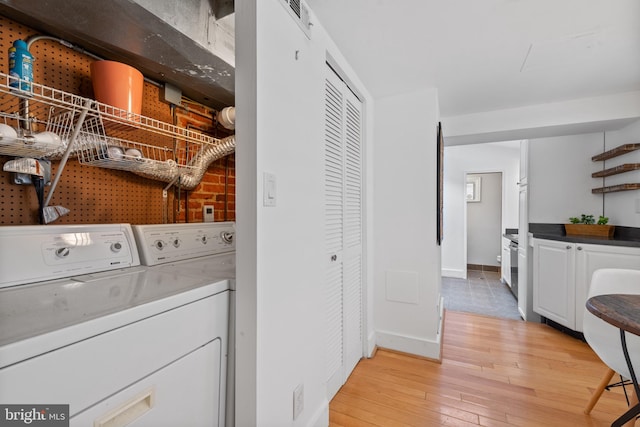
95,148
105,136
51,124
114,153
30,127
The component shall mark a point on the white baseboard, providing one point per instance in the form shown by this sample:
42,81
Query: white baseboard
412,345
456,273
321,417
371,344
522,314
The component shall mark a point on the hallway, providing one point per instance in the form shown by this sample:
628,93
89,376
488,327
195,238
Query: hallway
481,293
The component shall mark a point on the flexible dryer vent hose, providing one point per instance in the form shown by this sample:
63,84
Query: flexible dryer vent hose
190,177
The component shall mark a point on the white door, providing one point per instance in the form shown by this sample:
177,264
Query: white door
352,293
343,230
554,281
590,258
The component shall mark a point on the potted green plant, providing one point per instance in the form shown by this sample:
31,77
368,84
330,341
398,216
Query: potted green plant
587,225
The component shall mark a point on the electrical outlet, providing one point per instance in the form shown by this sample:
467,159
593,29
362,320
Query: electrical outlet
298,400
207,213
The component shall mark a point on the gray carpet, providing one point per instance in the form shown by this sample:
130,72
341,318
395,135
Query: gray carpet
482,293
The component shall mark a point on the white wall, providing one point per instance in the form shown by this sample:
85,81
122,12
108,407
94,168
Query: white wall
484,221
280,250
620,207
407,257
560,180
492,157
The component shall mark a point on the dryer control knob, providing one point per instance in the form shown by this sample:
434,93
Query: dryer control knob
176,243
226,237
203,239
62,252
159,244
116,247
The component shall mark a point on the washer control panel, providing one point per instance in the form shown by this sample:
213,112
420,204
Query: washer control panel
37,253
163,243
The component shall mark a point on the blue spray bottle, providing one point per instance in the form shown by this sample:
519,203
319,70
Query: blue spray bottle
20,65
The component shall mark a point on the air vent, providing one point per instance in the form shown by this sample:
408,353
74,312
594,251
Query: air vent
300,13
295,6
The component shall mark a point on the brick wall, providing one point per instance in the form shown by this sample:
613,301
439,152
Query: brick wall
218,186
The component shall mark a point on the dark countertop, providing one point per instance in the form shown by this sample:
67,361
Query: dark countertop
511,234
512,237
623,236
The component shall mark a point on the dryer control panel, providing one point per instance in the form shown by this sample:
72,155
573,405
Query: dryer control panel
163,243
36,253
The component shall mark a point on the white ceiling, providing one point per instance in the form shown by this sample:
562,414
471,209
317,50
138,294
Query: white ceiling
486,55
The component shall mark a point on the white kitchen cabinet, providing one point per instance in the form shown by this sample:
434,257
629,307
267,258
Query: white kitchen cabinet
562,276
505,264
554,281
590,258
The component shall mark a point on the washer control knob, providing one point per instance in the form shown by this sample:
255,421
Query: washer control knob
62,252
176,243
159,244
226,237
116,247
204,240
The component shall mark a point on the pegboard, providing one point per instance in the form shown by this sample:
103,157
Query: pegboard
93,194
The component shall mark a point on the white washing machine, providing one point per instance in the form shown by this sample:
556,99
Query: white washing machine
83,324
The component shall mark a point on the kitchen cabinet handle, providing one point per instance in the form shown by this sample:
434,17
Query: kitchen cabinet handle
579,248
334,258
568,246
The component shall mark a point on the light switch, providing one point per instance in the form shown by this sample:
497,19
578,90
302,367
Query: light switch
269,190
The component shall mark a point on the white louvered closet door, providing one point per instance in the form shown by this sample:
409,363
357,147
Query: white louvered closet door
352,248
343,230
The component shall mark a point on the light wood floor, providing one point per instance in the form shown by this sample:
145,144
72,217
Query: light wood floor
494,372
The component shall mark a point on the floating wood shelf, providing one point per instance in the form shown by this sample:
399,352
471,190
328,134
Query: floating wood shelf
618,151
614,188
627,167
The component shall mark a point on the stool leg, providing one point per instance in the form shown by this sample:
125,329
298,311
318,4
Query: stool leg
598,391
633,400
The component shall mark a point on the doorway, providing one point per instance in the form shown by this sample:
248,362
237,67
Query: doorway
484,222
482,291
